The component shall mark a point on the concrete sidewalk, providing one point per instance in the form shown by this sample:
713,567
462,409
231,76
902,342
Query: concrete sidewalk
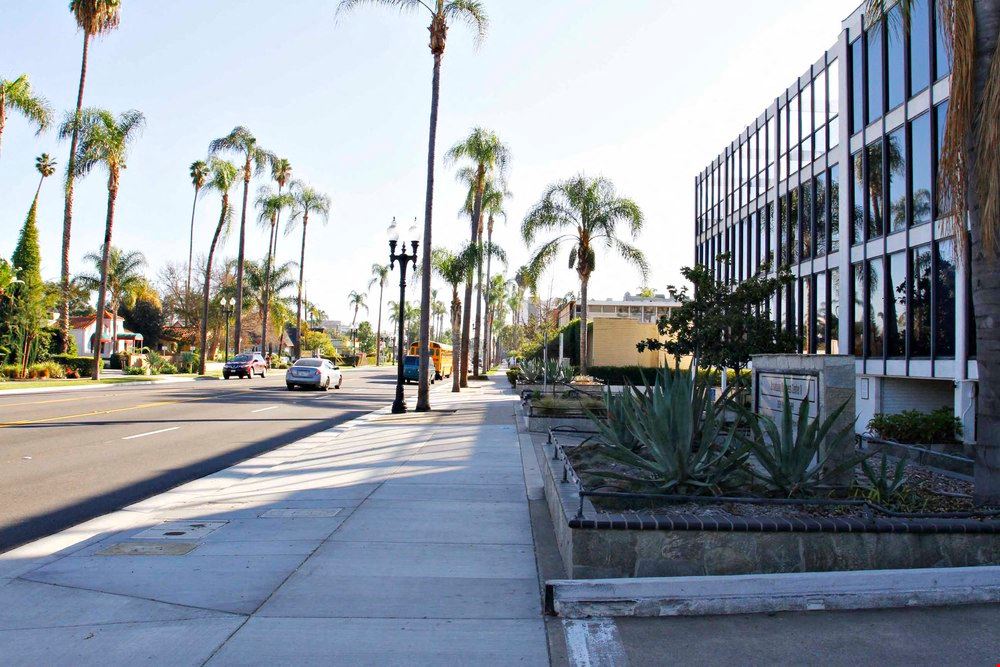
387,540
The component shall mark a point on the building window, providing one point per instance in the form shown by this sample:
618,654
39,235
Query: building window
896,298
875,208
833,108
876,66
944,300
858,198
895,57
942,52
805,316
896,159
820,208
784,251
858,325
833,201
805,220
876,308
834,327
793,136
769,234
920,45
819,113
857,87
793,226
920,302
943,205
920,169
821,310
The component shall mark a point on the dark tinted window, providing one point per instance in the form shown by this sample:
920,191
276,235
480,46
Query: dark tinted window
920,302
805,220
876,100
793,226
819,214
875,208
895,317
896,159
876,308
821,311
858,328
805,315
944,301
834,207
311,363
834,311
920,169
941,117
857,198
857,87
942,55
895,64
241,357
920,45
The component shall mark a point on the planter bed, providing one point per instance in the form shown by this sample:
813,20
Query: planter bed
953,458
689,541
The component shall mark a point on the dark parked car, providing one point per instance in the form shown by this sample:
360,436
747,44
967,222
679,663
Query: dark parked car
245,365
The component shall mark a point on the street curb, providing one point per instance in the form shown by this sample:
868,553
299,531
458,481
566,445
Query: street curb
768,593
111,385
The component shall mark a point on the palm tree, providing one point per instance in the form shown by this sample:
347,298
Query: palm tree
103,140
438,311
587,211
199,174
380,275
487,157
970,179
94,18
45,166
17,96
124,277
308,201
443,14
452,267
496,304
265,286
355,300
256,158
222,177
493,199
270,205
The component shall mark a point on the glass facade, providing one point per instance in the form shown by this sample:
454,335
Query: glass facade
773,197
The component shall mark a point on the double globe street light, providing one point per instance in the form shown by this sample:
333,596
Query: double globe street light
399,404
228,305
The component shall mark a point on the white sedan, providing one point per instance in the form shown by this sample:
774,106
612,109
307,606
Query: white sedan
311,372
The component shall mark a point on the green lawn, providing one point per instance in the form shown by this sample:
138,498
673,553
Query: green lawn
48,384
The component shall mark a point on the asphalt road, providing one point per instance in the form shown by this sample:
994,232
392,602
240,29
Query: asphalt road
66,457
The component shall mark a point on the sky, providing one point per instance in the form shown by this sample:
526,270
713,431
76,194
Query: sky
643,92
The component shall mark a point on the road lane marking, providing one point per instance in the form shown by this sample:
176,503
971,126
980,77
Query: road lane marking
273,407
143,435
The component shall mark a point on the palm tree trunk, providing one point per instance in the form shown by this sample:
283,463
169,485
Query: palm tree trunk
206,294
114,328
102,293
68,212
238,328
266,289
3,113
584,280
423,386
378,334
477,209
985,268
479,304
456,318
489,262
194,205
302,273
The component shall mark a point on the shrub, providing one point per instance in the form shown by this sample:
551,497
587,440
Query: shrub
136,370
46,369
512,375
118,360
10,371
166,368
79,366
187,362
918,428
620,375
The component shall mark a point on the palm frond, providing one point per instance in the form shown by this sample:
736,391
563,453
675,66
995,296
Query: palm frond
18,95
470,12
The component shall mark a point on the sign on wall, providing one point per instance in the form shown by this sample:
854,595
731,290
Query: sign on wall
770,394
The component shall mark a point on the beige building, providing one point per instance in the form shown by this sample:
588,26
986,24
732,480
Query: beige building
637,308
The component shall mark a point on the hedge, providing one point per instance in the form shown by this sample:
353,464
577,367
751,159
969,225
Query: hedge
81,365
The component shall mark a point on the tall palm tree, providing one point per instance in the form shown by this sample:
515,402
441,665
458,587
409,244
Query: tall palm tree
94,18
443,13
103,140
438,310
496,305
265,288
308,201
124,277
45,166
969,175
586,212
18,96
380,276
486,157
452,267
493,199
255,159
199,175
270,205
355,300
223,175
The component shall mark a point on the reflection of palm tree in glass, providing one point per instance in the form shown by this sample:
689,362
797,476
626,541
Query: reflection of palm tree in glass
921,303
897,180
922,205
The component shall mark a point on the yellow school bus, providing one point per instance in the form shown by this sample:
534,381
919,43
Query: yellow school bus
441,357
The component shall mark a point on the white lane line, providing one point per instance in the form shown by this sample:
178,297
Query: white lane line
273,407
143,435
594,642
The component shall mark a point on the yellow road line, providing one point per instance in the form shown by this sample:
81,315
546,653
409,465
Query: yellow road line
93,413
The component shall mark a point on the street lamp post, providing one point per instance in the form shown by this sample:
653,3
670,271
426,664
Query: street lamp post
227,311
399,404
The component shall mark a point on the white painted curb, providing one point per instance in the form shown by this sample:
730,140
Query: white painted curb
110,385
766,593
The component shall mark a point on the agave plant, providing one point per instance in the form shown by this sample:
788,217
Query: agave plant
791,457
674,437
531,371
883,482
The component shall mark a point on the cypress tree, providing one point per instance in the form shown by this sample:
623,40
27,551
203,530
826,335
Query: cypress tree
24,313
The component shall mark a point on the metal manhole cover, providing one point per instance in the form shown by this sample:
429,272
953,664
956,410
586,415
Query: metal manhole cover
178,530
291,513
148,549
